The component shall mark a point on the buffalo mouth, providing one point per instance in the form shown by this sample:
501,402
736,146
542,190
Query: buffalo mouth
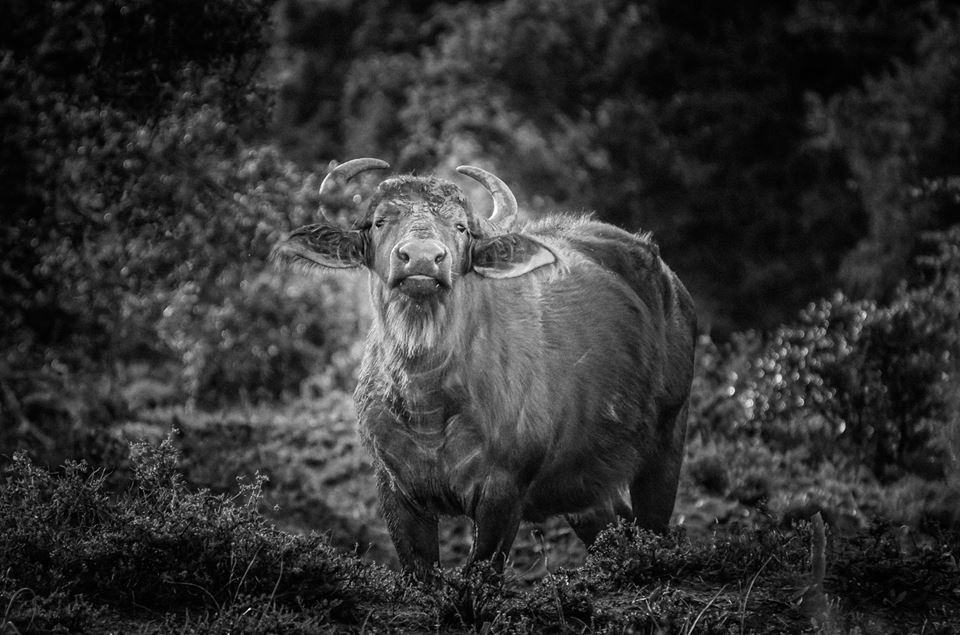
419,286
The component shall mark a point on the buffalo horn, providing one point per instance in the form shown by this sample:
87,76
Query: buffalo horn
349,169
504,202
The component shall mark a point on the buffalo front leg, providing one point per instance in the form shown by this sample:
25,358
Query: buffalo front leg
413,530
496,519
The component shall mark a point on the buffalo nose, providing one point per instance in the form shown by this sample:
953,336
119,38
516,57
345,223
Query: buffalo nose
422,251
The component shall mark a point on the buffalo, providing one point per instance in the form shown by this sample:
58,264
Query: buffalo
512,371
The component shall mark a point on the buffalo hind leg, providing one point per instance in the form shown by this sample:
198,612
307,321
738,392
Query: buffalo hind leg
413,532
496,520
653,491
588,525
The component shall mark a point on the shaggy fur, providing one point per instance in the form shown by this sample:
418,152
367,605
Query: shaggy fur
548,374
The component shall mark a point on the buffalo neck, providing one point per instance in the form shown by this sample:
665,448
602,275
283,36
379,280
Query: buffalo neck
418,358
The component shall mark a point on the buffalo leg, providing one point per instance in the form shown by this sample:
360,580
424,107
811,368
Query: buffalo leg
653,490
589,524
413,532
496,520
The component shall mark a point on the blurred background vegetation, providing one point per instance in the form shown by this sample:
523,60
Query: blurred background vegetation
797,161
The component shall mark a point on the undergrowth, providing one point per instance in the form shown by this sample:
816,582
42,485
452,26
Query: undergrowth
71,553
163,557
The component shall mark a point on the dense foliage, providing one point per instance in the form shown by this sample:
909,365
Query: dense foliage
766,145
139,212
874,382
142,194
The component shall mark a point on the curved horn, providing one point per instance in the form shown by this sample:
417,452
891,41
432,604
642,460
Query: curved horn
346,171
349,169
504,202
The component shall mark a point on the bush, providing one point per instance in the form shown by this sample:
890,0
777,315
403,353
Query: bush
718,402
64,541
258,342
873,382
149,244
140,211
111,160
877,376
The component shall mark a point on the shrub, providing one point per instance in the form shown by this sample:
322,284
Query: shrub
718,402
870,381
160,545
876,376
259,341
140,210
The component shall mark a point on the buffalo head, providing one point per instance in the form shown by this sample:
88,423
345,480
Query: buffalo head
419,235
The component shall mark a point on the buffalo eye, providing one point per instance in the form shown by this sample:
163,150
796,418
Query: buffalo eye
378,223
461,227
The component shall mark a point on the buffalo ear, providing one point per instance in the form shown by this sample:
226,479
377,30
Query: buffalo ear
322,246
509,256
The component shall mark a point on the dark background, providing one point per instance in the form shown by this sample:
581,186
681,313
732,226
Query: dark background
153,151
